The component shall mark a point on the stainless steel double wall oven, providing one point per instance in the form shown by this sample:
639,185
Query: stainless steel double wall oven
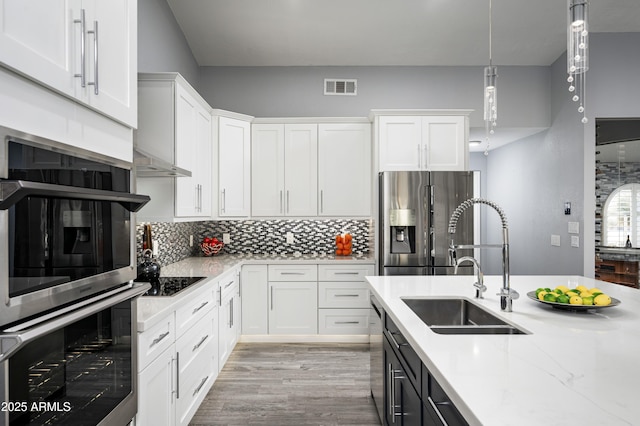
67,295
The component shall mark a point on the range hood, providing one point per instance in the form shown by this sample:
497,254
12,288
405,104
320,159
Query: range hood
148,165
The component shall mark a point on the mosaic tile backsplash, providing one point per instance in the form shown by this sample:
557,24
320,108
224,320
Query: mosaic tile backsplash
256,237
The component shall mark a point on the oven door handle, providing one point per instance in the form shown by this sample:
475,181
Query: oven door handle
13,341
12,191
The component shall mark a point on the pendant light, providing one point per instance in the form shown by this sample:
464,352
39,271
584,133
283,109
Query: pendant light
578,52
490,91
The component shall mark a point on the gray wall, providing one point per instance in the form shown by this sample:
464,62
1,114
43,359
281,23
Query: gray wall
161,45
298,91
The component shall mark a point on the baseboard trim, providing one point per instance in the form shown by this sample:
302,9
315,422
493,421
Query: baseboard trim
304,338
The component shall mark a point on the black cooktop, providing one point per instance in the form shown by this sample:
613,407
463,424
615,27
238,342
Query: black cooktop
169,286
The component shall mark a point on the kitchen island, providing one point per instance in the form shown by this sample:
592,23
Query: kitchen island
573,368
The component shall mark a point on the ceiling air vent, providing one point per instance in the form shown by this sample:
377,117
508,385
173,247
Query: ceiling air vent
334,86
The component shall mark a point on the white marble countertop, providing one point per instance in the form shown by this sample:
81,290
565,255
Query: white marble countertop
153,309
573,369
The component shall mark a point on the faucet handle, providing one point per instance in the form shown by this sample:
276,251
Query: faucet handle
480,288
510,293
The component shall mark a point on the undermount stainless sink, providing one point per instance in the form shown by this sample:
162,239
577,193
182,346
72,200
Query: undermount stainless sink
459,316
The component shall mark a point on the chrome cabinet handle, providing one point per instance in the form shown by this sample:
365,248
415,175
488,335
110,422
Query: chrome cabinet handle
347,322
345,295
177,375
288,205
197,345
82,75
271,296
231,313
321,201
393,340
159,339
419,157
174,386
392,396
347,273
94,83
195,392
199,307
281,204
228,284
435,408
291,273
224,200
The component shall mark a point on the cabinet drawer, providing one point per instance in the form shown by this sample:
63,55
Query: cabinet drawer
192,310
194,383
343,321
344,272
293,272
195,340
349,294
228,284
154,341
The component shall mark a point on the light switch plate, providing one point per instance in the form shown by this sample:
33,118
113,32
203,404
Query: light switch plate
555,240
226,238
574,227
575,241
290,239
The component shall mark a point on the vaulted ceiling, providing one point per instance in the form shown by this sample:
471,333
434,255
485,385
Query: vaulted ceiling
386,32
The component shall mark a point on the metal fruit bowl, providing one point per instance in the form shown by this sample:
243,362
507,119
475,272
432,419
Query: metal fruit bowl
577,308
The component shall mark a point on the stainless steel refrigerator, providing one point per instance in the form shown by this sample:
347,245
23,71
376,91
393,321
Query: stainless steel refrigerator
414,212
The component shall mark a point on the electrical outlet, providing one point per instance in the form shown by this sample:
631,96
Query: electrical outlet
226,238
190,240
155,249
290,239
555,240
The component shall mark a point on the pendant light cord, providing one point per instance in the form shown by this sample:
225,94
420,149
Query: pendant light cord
490,33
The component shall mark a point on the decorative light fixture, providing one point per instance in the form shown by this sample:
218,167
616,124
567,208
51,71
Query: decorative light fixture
578,51
490,91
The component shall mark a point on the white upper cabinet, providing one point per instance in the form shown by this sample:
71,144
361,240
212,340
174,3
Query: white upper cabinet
400,143
267,178
344,169
193,153
83,49
234,167
175,126
284,165
445,142
301,169
433,140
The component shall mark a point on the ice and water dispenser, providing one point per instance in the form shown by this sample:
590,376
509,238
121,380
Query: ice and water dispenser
402,224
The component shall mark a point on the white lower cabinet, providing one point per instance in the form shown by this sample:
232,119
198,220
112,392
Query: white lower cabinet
197,366
293,307
229,315
156,400
178,361
343,299
254,285
305,300
293,299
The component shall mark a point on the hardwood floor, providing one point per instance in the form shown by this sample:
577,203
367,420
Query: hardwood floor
291,384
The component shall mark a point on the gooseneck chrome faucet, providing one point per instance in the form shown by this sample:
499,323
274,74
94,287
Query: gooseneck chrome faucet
479,284
507,295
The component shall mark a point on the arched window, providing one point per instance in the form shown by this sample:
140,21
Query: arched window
621,216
